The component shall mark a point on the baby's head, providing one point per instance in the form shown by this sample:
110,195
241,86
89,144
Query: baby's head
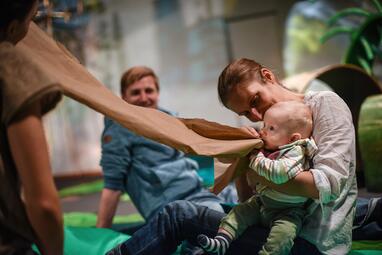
286,122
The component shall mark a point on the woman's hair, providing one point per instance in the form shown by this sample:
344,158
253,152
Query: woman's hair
135,74
14,9
241,71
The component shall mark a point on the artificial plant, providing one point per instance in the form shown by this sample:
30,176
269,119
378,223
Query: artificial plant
365,39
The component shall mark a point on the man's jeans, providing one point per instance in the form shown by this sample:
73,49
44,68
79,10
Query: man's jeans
182,220
367,223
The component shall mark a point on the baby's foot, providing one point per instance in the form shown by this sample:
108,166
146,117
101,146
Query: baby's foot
218,245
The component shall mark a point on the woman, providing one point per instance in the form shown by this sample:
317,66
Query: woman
29,204
249,89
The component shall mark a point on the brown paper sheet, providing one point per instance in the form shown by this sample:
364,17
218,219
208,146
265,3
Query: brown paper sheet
79,84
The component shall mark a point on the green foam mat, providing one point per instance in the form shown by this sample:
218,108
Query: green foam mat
83,219
86,189
367,245
365,252
82,189
90,240
85,240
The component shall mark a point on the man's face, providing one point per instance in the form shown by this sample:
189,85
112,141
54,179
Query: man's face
142,93
251,100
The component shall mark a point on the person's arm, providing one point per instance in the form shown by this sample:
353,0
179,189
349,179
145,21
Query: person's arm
115,162
30,153
107,207
302,185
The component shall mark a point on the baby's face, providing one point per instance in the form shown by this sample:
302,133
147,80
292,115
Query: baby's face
274,133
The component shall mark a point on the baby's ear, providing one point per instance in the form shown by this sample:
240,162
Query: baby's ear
294,137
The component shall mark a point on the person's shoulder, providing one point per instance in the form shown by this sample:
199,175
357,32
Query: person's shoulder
316,95
6,47
9,55
324,98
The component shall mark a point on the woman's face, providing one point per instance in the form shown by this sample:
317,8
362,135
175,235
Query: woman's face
252,100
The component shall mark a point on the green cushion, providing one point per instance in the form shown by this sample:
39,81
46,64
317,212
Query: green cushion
83,219
90,240
365,252
366,248
84,240
82,189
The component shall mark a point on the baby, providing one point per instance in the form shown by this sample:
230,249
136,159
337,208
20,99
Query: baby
286,135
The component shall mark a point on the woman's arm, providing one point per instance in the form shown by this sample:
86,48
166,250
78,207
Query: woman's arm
30,153
302,185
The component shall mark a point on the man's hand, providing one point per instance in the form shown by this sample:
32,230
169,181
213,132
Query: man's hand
107,207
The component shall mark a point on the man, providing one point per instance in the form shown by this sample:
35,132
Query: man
151,173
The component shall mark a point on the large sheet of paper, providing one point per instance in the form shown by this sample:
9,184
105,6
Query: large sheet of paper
210,139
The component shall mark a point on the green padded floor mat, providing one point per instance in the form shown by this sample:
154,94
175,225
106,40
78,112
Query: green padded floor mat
81,219
91,241
366,248
82,240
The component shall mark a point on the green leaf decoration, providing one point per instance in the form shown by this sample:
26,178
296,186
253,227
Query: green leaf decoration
366,39
350,11
364,64
367,48
335,31
377,5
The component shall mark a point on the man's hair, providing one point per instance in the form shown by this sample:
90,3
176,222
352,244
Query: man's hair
239,72
297,117
14,10
135,74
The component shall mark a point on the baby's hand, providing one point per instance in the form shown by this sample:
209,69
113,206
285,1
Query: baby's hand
251,131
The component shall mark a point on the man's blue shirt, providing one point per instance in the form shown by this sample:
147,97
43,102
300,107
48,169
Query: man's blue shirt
151,173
